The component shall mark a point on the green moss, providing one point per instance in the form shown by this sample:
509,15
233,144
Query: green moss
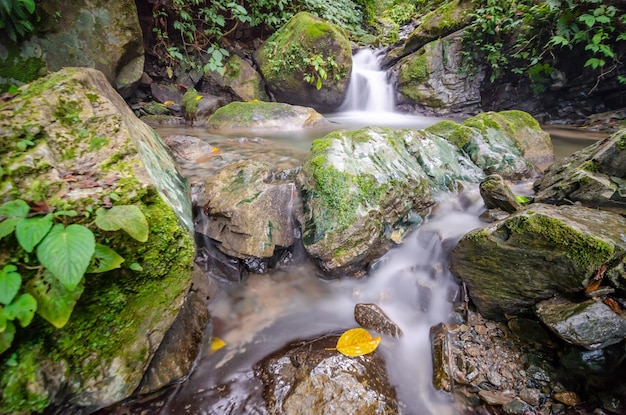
97,143
454,133
414,69
189,103
16,69
587,251
17,396
592,166
68,112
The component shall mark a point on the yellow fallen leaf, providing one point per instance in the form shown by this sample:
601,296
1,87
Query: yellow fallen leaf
168,103
215,150
199,97
357,342
217,344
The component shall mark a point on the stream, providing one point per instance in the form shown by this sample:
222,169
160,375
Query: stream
411,283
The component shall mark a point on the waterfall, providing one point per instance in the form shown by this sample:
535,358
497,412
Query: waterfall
369,90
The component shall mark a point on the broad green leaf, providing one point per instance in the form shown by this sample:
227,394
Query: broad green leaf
14,209
522,199
104,259
3,320
7,226
23,309
357,342
30,231
66,252
55,303
126,217
10,282
6,337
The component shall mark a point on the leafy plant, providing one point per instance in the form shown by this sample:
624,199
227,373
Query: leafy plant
315,68
523,36
16,17
64,254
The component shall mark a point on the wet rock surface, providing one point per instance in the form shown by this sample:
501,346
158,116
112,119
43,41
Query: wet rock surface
310,377
371,316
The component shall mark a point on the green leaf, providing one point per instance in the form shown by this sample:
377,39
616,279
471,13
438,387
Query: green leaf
23,308
587,19
135,267
55,301
104,259
7,226
6,337
66,252
126,217
30,231
14,209
10,282
3,320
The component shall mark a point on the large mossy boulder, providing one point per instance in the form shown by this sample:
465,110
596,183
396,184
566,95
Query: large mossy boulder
70,143
510,143
241,116
430,80
511,265
307,62
106,37
594,177
362,189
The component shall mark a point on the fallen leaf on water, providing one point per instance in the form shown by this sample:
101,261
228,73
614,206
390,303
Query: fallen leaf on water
357,342
217,344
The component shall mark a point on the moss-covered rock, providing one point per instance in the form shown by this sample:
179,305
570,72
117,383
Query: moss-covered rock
363,188
243,80
430,80
240,116
305,53
511,265
498,142
106,37
521,129
70,142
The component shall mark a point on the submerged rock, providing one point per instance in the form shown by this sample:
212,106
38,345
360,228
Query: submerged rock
86,150
287,61
310,377
511,265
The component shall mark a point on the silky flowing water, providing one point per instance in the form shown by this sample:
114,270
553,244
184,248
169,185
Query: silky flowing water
261,314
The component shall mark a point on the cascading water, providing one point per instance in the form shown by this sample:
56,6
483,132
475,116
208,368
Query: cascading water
370,99
370,89
411,283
